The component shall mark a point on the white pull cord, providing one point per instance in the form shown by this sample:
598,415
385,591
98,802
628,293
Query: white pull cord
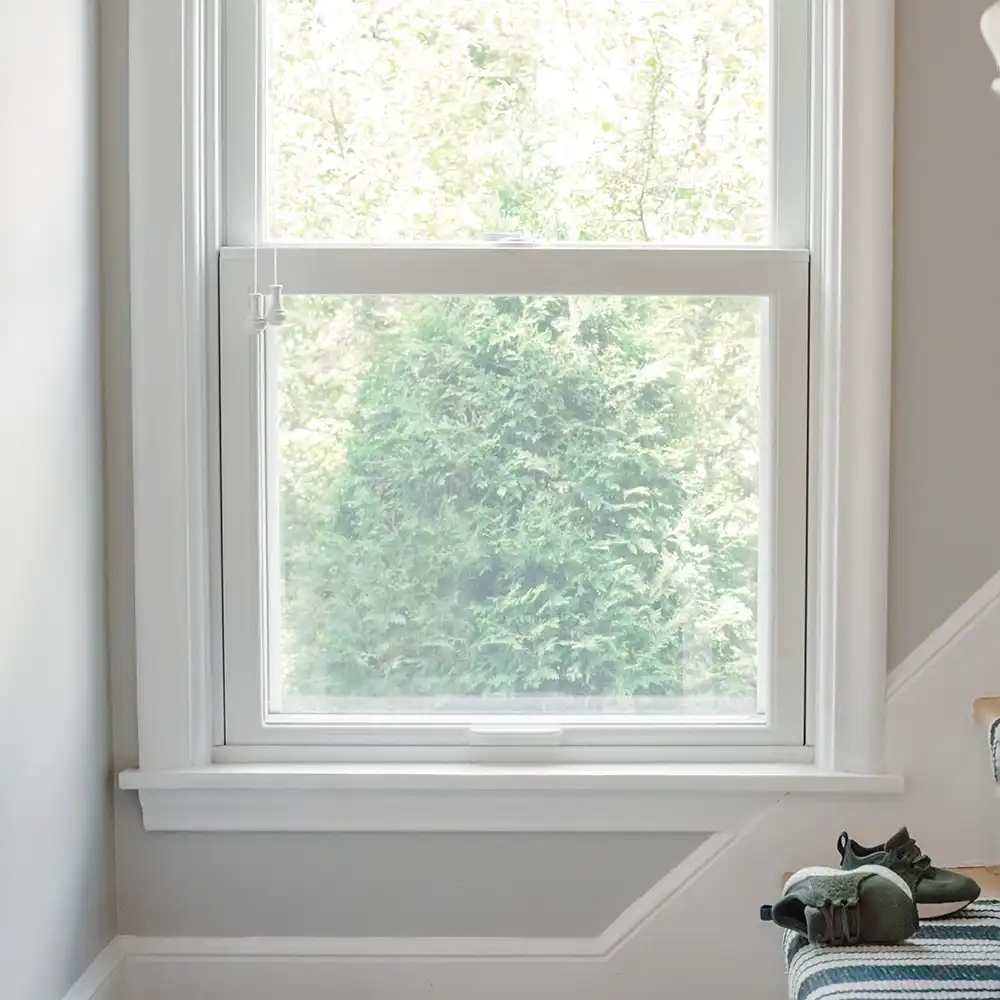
258,312
262,313
257,319
276,315
265,310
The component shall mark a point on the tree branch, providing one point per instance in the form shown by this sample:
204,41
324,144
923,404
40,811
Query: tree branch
650,138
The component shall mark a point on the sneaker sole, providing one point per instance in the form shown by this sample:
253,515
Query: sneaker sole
929,911
880,870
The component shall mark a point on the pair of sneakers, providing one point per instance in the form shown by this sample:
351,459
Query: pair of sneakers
877,896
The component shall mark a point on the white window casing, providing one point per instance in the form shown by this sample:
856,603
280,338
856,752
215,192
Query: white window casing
188,780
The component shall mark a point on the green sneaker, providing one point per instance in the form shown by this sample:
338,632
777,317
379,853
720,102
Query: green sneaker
869,905
937,891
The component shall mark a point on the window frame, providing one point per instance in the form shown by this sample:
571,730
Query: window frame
781,276
175,229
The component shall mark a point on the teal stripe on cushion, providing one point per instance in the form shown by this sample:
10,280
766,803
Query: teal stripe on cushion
922,973
957,991
903,976
957,958
952,932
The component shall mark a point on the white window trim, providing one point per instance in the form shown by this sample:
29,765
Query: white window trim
174,228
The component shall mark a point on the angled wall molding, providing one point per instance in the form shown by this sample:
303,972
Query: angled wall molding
104,978
600,947
982,602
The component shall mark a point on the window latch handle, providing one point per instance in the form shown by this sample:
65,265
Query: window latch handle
515,736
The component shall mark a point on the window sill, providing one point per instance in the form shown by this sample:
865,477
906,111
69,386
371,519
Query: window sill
477,798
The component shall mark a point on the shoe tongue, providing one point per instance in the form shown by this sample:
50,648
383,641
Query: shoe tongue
898,839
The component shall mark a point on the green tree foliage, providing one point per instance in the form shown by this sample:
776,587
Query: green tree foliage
505,497
561,119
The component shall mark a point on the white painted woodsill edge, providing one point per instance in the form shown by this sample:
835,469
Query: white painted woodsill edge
476,798
569,778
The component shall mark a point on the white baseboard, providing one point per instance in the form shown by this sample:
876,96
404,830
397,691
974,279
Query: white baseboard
104,977
694,935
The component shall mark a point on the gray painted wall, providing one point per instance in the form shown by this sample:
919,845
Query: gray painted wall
385,885
56,850
945,544
945,528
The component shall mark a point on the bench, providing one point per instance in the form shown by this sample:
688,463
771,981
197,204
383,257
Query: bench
954,958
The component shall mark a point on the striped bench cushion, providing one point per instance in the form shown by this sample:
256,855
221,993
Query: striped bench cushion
957,958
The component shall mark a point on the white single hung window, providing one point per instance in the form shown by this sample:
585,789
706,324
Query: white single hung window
525,468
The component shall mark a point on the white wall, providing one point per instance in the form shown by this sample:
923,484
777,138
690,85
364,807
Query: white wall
56,853
945,543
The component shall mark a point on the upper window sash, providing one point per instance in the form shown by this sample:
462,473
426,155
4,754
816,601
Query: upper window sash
244,85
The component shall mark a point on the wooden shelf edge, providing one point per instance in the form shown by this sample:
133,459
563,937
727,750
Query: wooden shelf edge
986,710
988,879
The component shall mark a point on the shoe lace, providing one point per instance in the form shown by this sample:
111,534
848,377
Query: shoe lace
910,854
842,922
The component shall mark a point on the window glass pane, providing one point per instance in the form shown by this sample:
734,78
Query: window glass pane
458,119
507,504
